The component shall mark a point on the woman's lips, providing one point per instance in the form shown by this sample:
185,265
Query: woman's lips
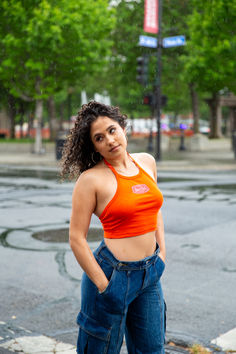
114,148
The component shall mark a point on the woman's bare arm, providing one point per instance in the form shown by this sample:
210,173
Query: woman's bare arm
83,205
160,233
160,236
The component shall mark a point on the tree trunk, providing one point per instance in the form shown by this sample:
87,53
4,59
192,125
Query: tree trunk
175,120
232,119
38,146
62,110
12,114
215,117
21,111
30,124
53,124
195,108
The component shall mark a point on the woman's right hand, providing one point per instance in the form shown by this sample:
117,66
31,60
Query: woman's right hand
102,288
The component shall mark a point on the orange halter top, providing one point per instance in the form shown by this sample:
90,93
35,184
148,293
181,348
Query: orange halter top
133,209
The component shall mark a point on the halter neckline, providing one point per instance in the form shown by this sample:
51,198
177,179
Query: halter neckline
124,176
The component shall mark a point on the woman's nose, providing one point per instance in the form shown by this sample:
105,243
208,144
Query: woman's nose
110,139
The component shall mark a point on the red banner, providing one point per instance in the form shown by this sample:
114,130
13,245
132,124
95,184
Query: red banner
151,16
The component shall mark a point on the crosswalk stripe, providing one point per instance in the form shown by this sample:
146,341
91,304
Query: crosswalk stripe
226,341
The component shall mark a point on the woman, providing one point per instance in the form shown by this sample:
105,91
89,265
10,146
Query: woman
121,291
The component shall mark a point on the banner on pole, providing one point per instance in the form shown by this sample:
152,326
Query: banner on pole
151,16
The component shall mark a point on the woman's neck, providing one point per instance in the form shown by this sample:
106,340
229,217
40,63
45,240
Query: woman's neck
123,164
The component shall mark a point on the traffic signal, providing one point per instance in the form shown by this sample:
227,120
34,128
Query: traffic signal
142,70
148,100
164,100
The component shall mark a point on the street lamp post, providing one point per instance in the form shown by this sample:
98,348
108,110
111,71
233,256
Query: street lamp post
158,84
182,129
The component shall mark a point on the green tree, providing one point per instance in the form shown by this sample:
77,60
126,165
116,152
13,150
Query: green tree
48,45
211,51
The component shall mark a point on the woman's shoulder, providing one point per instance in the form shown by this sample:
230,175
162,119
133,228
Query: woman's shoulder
89,177
147,162
144,157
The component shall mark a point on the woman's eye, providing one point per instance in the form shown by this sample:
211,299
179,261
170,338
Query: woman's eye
99,138
112,130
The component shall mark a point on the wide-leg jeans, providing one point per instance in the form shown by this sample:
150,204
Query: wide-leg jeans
132,305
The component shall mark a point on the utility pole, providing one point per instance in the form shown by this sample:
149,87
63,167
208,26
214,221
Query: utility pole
153,24
158,83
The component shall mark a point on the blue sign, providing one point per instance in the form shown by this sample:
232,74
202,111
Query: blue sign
146,41
176,41
183,126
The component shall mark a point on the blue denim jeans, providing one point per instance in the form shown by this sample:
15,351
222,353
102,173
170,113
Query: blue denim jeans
132,305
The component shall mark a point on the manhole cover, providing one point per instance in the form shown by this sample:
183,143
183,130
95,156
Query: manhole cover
62,235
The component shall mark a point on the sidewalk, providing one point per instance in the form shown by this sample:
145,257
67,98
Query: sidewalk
217,155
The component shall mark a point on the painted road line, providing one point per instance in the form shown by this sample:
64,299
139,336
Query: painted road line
226,341
37,345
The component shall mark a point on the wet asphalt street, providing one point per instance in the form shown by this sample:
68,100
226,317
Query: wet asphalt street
40,279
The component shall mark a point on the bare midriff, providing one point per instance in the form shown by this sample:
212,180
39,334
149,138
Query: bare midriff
132,248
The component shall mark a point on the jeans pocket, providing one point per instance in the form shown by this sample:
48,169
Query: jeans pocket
109,272
111,278
160,266
111,300
93,337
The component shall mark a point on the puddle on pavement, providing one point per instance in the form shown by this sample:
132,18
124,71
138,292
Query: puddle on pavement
215,188
22,186
229,270
190,245
62,235
41,174
174,179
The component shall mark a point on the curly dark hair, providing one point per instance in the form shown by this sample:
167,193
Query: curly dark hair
78,152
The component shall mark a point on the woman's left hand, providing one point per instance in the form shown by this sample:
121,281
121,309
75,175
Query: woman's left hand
162,256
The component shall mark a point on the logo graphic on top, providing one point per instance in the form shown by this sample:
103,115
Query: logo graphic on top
140,188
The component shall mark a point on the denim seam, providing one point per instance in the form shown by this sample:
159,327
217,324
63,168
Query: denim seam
143,283
108,342
95,335
127,290
108,329
124,305
98,259
109,260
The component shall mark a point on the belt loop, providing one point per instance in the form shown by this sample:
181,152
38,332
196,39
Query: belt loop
99,249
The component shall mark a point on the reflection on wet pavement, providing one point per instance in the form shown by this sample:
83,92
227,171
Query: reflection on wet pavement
29,173
62,235
219,188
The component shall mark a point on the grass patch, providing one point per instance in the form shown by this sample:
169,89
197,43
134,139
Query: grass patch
22,141
195,349
198,349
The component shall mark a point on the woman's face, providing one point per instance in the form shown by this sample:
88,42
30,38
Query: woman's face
108,137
